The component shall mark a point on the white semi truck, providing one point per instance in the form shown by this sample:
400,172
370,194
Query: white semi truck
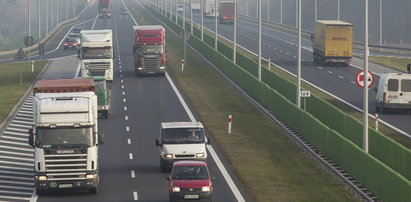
65,136
96,53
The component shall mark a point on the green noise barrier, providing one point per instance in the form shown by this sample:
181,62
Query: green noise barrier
385,171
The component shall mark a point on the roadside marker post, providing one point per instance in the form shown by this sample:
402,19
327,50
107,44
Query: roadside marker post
182,65
376,122
230,119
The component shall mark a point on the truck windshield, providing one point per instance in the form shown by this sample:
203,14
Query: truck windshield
64,137
100,85
183,136
150,49
97,53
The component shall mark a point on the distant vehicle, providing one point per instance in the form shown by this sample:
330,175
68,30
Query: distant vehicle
123,11
181,141
190,180
226,12
76,30
70,42
149,49
393,92
104,8
180,8
332,42
196,5
210,9
75,36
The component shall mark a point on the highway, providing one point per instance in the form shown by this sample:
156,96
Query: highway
129,159
281,48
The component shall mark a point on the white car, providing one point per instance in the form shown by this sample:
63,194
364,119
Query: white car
181,141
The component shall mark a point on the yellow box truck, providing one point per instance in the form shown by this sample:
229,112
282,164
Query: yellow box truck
332,42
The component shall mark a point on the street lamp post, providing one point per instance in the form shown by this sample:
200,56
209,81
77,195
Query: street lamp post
259,40
281,11
215,22
202,19
47,16
365,100
380,22
338,8
299,56
57,12
235,33
191,16
315,10
268,10
39,13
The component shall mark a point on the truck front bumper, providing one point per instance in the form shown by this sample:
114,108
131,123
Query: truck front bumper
168,162
64,184
160,70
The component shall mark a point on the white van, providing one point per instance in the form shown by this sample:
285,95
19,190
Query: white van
181,141
394,92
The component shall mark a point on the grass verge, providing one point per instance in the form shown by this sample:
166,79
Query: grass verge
269,165
10,88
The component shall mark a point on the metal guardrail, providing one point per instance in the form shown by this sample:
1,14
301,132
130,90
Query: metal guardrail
34,48
356,45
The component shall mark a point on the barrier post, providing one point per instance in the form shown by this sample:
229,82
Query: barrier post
230,119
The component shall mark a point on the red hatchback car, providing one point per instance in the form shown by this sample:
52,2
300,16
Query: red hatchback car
190,180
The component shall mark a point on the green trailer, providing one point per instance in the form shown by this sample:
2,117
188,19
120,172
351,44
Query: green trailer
103,93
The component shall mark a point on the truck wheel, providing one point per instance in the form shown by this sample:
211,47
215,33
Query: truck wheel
162,166
39,192
93,190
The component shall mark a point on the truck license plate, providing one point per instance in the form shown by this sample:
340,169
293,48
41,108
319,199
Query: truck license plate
65,185
191,196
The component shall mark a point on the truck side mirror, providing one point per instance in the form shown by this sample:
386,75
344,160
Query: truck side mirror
208,141
100,138
158,142
31,139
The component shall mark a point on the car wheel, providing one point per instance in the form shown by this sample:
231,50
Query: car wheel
93,190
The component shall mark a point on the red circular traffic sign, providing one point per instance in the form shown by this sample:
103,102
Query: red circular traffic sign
359,79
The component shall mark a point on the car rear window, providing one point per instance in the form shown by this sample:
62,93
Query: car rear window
406,85
190,172
392,85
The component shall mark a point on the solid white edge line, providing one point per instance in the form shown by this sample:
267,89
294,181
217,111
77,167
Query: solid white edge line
78,70
190,115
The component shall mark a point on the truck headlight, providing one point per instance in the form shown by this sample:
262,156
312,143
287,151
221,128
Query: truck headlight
91,176
140,68
205,188
41,178
162,67
175,189
169,156
200,155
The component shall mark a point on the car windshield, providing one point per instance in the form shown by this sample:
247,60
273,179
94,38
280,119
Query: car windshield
64,137
183,136
100,85
190,173
150,49
76,30
97,53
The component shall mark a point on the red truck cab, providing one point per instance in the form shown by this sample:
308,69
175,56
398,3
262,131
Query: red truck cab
190,180
149,49
104,8
226,12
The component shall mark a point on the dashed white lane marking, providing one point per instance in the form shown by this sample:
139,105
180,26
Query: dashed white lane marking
122,86
128,141
319,67
119,63
125,108
135,196
294,56
330,72
310,63
130,156
133,174
287,53
124,100
126,118
127,128
119,66
281,51
121,75
353,82
341,77
122,81
269,46
302,60
120,70
124,93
